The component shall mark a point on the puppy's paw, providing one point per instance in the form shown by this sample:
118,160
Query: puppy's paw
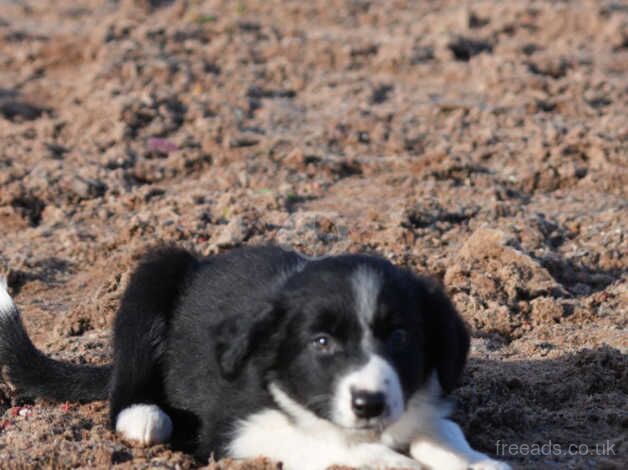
380,457
489,464
146,424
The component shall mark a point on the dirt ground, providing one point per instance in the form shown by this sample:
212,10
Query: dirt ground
484,143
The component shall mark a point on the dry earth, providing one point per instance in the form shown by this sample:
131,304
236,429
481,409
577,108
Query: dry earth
484,143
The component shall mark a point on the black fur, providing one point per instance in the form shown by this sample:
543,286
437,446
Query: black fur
141,326
36,375
202,338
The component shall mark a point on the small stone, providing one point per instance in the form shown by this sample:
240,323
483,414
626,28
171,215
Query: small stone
242,140
21,111
161,146
232,234
87,188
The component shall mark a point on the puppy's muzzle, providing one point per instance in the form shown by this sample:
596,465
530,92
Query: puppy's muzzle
366,404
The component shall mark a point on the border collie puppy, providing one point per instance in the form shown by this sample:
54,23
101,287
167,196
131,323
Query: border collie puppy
340,360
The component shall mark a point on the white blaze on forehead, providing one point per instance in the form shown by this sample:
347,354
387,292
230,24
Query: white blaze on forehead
366,284
376,376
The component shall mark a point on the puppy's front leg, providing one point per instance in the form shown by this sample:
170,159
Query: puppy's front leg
374,456
316,445
445,447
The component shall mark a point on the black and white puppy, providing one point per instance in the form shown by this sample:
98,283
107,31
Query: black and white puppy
262,351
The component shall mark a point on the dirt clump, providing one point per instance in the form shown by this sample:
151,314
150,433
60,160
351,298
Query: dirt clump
483,144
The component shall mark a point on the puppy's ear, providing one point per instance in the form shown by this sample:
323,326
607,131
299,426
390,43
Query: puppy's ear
446,335
237,338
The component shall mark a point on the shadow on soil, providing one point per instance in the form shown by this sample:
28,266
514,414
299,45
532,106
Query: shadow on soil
568,412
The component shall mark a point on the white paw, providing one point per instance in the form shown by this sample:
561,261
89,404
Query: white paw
146,424
489,464
380,457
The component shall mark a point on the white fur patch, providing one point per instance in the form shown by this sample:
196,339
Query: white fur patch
366,285
298,412
296,437
444,446
489,464
302,441
434,440
146,424
377,375
424,409
7,308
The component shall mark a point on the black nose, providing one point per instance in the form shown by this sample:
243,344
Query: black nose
367,404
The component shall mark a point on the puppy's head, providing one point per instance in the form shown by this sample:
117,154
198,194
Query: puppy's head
353,337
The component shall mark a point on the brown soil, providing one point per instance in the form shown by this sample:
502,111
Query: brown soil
485,145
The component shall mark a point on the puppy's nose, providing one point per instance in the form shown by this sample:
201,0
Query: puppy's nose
367,404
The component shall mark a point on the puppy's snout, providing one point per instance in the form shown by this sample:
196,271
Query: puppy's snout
367,404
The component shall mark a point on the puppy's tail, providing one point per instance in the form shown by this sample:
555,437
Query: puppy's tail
33,373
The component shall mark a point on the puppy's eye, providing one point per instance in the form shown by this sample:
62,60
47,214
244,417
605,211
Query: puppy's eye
323,343
398,339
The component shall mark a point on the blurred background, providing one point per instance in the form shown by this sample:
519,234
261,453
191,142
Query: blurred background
481,142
